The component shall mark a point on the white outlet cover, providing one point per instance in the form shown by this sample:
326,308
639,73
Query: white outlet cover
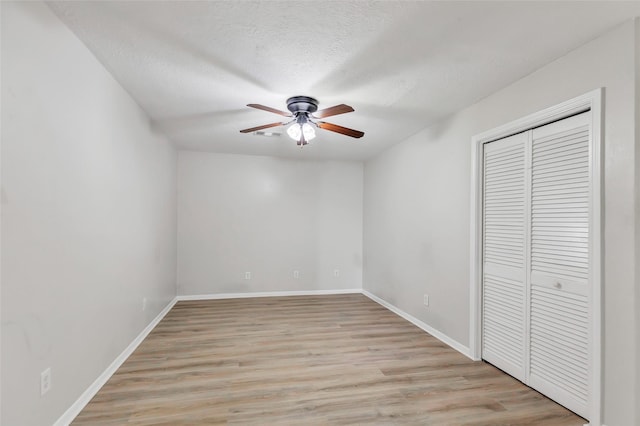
336,273
45,381
247,275
296,274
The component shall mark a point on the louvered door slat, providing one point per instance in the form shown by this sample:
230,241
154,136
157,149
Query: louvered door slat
561,248
504,223
559,314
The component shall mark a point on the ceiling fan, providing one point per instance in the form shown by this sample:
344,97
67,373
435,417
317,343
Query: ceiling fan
304,113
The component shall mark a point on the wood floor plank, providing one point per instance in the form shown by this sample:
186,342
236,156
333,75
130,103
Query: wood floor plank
297,360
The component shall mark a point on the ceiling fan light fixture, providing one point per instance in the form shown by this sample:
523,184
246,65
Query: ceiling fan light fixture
296,130
308,131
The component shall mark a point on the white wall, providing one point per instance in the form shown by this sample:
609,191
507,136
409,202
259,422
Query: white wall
88,216
268,216
417,206
637,218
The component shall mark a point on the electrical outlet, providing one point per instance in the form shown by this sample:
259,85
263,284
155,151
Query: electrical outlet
144,303
426,300
296,274
45,381
247,275
336,273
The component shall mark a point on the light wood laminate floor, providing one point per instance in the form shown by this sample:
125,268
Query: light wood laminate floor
307,360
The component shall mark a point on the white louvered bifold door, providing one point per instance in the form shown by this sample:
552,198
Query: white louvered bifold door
559,298
536,250
504,267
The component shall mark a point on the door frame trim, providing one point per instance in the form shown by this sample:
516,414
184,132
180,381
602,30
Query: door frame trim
589,101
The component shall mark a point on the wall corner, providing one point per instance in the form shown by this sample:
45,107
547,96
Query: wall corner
636,222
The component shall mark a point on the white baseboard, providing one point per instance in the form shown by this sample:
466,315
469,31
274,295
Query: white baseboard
268,294
432,331
93,389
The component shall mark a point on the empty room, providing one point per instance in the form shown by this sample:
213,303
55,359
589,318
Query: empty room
320,213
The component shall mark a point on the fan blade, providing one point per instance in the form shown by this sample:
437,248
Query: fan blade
340,129
334,110
266,126
269,109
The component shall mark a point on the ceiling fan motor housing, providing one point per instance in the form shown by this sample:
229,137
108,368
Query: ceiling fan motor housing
302,104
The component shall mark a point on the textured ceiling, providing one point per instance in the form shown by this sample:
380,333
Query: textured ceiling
193,66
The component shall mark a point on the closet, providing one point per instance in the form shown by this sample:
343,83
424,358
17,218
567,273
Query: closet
536,302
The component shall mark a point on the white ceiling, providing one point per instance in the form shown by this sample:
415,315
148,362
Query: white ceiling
193,66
